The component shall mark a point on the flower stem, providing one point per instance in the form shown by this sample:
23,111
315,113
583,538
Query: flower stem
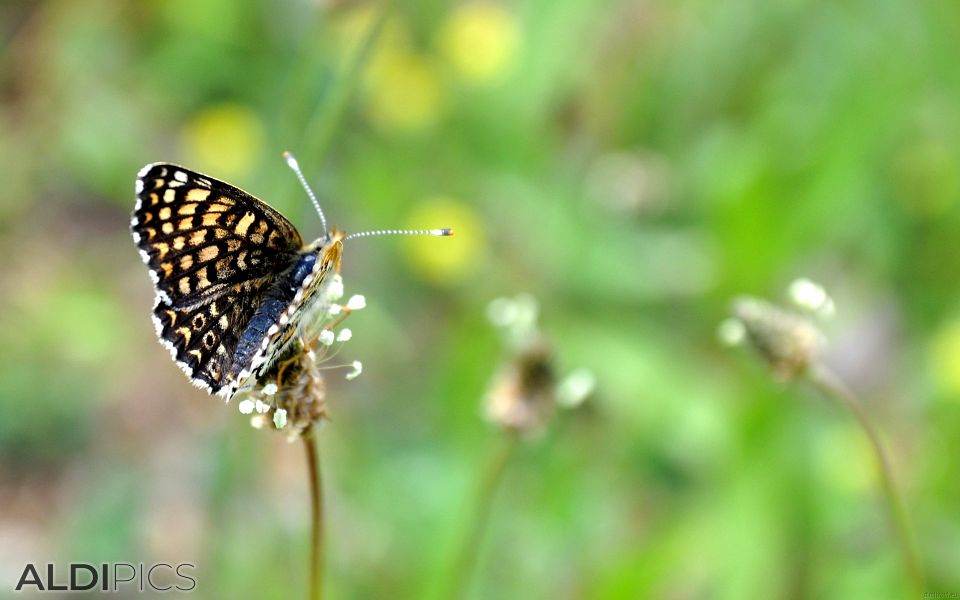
835,389
315,590
321,128
466,556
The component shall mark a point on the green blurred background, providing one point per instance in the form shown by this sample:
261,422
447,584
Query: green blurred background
634,164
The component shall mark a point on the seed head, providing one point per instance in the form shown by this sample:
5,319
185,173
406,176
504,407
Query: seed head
521,397
291,393
787,342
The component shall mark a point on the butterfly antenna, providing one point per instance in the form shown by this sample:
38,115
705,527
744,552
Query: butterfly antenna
292,162
433,232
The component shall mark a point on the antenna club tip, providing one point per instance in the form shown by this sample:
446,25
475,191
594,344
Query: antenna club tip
446,232
290,159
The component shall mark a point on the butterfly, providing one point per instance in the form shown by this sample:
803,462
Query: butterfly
234,279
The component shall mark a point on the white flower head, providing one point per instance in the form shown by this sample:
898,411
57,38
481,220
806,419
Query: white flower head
788,342
335,309
575,388
356,302
326,337
258,421
280,418
261,406
270,389
246,406
357,369
344,335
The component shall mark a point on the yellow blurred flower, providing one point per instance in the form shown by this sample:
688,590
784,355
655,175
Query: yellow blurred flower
945,359
404,92
480,40
402,87
224,140
448,260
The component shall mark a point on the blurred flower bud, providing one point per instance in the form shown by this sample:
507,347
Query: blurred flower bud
521,398
787,342
516,317
637,184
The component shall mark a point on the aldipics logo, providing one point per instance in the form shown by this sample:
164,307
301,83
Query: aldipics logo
108,577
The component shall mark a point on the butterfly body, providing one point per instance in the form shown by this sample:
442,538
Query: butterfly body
233,277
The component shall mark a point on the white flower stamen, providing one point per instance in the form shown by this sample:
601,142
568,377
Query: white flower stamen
357,369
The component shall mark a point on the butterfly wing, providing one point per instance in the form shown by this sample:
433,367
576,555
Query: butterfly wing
201,339
212,250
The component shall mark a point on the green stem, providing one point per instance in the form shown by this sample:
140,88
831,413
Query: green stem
315,589
469,549
834,388
321,128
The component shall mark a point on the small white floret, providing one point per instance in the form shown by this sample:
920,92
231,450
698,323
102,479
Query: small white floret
502,312
575,388
280,418
270,389
810,296
326,337
261,406
356,302
344,335
335,288
246,406
335,309
731,332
